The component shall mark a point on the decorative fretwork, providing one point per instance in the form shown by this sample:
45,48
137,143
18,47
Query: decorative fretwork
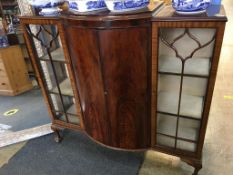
26,10
47,44
192,37
41,30
183,59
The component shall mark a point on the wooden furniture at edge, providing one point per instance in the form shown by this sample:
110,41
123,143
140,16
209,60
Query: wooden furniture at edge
15,38
125,70
14,78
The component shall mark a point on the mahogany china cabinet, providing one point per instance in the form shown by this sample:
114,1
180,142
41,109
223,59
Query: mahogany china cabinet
130,82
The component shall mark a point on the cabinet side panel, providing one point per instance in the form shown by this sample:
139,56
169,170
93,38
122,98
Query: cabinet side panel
125,62
83,47
154,65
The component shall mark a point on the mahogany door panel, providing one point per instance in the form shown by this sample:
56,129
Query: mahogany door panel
111,69
83,46
124,55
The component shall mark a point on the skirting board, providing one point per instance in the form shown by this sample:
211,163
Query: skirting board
24,135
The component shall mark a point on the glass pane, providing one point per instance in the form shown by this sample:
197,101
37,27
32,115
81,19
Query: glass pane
57,55
197,66
168,93
59,116
74,119
195,46
47,41
165,141
170,64
65,88
188,129
168,35
192,98
204,36
191,106
166,124
57,106
187,146
69,109
72,113
184,63
195,86
61,78
61,103
54,71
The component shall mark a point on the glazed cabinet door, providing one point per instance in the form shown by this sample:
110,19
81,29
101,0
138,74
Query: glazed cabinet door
51,60
182,69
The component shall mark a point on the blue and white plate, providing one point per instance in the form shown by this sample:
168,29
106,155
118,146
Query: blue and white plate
50,12
126,5
86,5
3,41
191,12
190,6
45,3
48,7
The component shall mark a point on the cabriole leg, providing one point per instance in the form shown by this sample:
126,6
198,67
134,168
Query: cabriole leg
197,164
197,169
58,138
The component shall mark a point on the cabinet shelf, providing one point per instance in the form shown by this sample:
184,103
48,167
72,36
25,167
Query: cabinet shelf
57,56
73,116
194,66
188,130
72,110
165,141
183,145
190,105
187,146
166,125
73,119
65,88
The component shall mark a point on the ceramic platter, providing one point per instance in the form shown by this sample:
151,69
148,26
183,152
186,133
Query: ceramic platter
85,6
191,12
50,12
129,10
122,6
74,11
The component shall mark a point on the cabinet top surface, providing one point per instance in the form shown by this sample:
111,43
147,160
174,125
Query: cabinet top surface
154,12
213,13
105,15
